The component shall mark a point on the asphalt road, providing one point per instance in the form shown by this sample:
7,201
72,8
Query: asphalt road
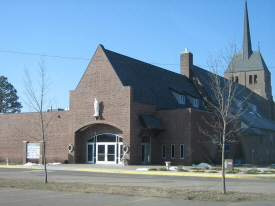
24,197
202,183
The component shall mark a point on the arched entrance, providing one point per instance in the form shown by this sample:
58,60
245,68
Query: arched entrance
104,149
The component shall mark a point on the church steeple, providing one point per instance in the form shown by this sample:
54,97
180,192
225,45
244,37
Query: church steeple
247,48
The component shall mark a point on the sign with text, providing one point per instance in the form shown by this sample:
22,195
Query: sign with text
33,151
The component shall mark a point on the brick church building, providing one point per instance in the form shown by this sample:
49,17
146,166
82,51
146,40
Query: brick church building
124,108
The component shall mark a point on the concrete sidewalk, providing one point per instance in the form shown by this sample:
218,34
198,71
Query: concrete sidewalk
141,170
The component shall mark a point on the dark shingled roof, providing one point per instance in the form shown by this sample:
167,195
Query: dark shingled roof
204,77
254,120
254,63
151,84
253,131
258,121
151,122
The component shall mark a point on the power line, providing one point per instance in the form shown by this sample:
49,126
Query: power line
85,59
43,55
63,57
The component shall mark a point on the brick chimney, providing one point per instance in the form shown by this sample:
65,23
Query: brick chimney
186,62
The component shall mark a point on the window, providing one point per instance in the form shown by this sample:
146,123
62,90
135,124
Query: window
271,139
182,99
237,79
232,79
182,151
196,103
255,79
226,144
261,140
172,151
250,79
163,151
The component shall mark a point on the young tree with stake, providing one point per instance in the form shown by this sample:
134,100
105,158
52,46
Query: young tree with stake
225,108
36,99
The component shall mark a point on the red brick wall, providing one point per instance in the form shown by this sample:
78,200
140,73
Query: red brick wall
99,81
258,150
16,128
203,148
177,124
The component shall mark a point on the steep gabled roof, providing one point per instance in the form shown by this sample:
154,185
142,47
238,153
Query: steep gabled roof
250,117
248,60
204,77
254,63
258,121
151,84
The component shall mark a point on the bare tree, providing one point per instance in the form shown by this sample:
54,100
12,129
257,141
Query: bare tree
224,103
37,102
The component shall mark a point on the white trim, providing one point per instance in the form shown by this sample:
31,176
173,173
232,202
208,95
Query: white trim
182,99
119,156
93,158
116,143
106,144
196,103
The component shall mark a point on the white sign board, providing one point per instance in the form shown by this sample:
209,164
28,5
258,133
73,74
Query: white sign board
33,151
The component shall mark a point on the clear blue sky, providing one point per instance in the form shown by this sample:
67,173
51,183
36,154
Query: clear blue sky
153,31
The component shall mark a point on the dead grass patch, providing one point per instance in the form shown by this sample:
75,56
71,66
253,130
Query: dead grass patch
137,191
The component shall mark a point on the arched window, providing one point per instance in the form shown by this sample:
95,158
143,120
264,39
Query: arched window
92,139
106,138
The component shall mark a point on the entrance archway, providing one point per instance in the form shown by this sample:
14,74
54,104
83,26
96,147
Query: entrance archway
104,149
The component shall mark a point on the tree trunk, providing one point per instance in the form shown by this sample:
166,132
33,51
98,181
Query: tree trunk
45,164
44,145
223,172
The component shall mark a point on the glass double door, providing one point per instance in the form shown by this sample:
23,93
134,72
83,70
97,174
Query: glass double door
104,149
104,153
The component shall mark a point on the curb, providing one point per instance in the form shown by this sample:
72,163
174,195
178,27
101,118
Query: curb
168,173
19,167
179,174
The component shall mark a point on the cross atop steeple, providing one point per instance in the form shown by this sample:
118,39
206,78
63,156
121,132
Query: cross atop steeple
247,48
